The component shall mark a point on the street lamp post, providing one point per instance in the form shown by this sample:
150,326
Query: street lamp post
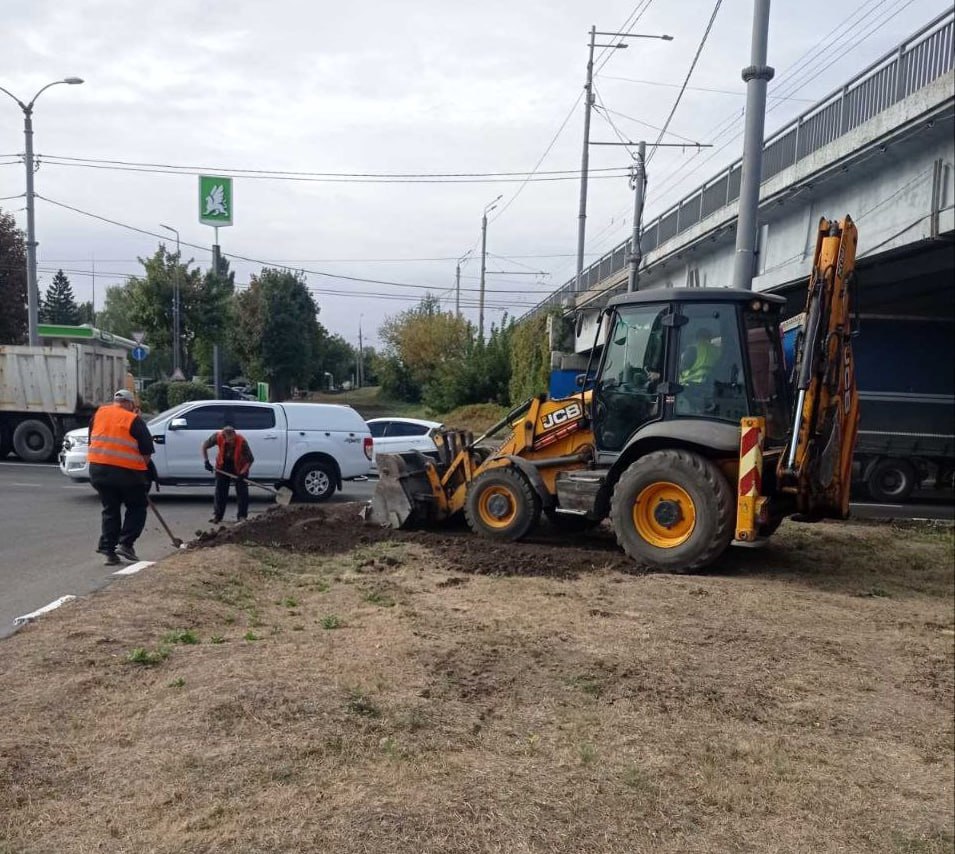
176,368
33,296
488,208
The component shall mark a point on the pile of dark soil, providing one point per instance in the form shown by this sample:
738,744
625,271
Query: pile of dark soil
337,528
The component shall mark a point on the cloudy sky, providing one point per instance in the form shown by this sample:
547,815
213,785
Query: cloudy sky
420,87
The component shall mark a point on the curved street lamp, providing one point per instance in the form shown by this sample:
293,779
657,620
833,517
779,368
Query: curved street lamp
33,297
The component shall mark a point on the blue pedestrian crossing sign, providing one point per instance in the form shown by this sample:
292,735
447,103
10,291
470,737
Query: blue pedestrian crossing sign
139,353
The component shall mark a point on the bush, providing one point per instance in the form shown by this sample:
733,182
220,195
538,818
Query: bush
156,396
183,392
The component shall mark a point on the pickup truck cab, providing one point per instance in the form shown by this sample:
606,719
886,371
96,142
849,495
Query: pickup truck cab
311,447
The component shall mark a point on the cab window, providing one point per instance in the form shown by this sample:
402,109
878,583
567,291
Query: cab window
627,395
212,417
712,382
253,417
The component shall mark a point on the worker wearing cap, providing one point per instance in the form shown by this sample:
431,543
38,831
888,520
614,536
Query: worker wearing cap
120,471
234,458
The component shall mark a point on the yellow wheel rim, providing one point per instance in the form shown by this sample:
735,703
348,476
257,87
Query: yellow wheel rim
664,515
497,506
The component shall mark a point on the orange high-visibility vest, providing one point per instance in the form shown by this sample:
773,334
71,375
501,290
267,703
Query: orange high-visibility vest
111,443
237,456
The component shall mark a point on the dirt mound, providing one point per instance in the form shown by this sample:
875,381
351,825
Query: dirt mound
334,529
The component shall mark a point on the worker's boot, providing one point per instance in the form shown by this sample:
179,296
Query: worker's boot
127,553
112,559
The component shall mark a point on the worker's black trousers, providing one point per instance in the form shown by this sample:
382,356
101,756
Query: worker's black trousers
118,486
222,496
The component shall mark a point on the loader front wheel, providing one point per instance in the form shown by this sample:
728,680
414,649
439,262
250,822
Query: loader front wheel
502,505
673,511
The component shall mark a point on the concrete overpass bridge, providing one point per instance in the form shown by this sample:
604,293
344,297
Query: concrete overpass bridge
881,147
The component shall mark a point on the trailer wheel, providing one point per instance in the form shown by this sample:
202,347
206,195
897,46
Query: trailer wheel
673,510
891,480
33,441
502,505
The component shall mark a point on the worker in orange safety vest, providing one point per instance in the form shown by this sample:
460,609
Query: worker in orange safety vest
121,470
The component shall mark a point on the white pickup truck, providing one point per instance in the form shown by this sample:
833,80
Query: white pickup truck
311,447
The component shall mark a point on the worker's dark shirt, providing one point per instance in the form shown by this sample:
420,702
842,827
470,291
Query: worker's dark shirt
139,431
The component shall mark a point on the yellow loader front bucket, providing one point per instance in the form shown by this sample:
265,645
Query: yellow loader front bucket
404,495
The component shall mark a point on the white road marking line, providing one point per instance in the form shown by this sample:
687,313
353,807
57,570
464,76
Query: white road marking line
31,485
133,568
26,618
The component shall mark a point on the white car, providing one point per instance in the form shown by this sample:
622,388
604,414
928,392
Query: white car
312,447
401,435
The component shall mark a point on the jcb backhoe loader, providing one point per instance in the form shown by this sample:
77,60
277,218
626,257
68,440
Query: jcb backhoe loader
691,435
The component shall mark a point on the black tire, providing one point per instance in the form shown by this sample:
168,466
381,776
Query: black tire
6,445
503,490
698,533
315,481
571,523
891,480
33,441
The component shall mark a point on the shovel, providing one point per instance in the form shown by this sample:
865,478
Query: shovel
179,544
283,496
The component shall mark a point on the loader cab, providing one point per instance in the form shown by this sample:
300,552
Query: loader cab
680,354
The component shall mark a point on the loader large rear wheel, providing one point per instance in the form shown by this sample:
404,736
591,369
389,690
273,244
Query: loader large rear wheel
502,505
673,511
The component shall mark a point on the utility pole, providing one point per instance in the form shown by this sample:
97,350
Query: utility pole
457,284
639,191
585,161
93,303
585,153
488,208
177,373
756,76
33,295
361,356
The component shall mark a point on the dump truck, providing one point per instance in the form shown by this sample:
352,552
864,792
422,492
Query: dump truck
906,400
48,390
692,434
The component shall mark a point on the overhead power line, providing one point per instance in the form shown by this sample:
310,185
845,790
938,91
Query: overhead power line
259,261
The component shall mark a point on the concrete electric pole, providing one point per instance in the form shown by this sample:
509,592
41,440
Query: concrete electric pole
487,210
757,75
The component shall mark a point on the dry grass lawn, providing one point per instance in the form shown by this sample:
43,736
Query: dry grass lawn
251,699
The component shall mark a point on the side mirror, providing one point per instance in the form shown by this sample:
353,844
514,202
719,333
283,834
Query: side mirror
581,380
177,424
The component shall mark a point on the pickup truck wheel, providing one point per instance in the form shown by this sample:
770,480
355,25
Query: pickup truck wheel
315,481
891,480
33,441
673,510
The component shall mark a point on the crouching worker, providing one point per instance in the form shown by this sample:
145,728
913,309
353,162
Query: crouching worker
234,458
120,471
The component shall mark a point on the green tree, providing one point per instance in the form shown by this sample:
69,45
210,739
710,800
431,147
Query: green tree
530,359
419,343
116,314
86,312
210,314
276,331
58,304
333,355
481,376
13,282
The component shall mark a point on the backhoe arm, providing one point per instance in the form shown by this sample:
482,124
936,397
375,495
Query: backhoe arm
817,463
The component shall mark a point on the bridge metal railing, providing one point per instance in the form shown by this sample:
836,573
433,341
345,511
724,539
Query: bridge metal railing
915,63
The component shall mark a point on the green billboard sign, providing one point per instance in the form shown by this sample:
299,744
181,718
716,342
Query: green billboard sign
215,200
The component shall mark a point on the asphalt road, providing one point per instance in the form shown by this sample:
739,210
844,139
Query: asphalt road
49,527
